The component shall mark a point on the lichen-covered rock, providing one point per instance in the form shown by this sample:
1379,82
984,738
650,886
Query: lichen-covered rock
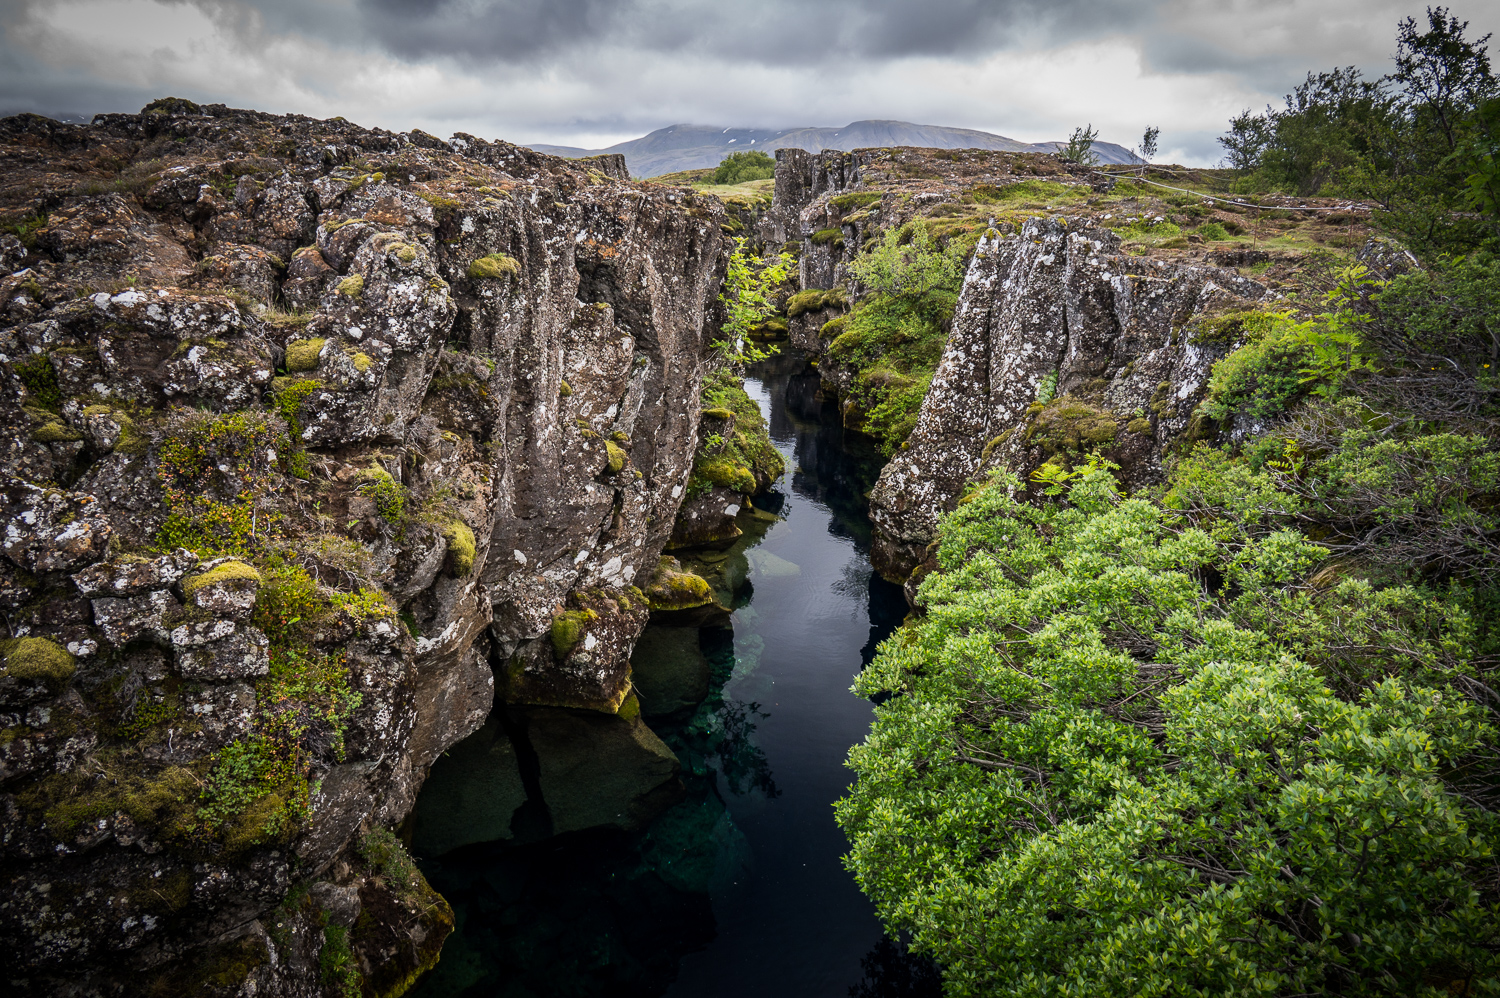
585,660
286,475
1061,346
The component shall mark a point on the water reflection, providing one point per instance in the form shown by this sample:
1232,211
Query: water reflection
737,889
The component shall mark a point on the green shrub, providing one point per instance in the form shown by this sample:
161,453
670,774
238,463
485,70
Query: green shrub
739,167
389,494
1213,231
337,967
215,478
1090,774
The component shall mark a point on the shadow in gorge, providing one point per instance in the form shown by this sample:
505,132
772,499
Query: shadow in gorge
738,887
893,971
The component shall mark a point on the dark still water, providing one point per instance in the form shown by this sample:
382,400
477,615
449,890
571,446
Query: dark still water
738,890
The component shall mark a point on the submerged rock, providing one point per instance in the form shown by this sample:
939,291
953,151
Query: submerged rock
669,671
470,796
601,771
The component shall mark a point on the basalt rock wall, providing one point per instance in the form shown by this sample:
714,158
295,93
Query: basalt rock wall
447,388
1061,346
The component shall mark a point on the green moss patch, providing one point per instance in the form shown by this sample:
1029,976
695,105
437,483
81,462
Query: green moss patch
616,457
1069,424
228,572
38,659
461,547
568,629
302,355
159,799
352,287
495,265
844,203
815,299
824,237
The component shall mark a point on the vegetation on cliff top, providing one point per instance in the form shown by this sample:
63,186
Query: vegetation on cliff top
1234,734
738,167
1422,141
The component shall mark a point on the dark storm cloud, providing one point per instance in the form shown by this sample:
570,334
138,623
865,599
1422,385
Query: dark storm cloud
771,32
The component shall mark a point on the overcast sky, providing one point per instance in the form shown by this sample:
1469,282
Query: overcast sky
593,72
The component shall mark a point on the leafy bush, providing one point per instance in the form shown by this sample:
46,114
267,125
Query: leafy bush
1096,774
894,337
750,288
1286,358
1213,231
739,167
907,262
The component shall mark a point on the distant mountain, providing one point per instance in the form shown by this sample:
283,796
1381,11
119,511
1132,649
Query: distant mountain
693,147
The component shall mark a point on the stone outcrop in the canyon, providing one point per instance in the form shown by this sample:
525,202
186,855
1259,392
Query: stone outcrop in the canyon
320,440
1061,346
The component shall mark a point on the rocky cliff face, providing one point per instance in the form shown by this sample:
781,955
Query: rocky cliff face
1061,346
309,426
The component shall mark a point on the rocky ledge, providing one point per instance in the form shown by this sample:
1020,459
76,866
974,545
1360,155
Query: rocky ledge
315,434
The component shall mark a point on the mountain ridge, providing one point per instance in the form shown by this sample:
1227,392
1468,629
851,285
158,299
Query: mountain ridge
693,147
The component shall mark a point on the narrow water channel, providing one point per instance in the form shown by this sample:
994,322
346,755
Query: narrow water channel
738,890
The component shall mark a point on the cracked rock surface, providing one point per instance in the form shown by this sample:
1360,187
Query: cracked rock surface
309,426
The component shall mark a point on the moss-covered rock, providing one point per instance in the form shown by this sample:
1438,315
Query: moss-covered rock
302,355
38,660
1069,424
495,265
671,588
461,547
352,287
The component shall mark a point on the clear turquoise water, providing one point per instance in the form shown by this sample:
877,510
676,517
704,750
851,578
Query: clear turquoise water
739,890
